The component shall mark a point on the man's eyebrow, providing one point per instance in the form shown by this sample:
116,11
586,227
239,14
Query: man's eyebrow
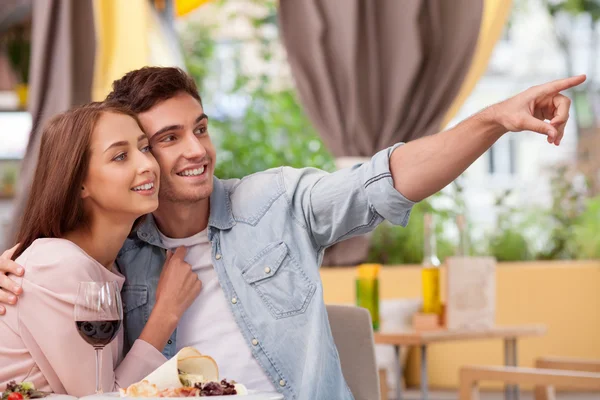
178,127
167,129
201,117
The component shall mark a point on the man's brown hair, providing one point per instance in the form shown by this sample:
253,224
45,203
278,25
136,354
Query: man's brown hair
143,88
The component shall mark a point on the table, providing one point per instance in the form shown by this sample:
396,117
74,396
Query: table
509,334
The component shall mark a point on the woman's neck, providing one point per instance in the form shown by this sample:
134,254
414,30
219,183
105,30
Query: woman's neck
102,238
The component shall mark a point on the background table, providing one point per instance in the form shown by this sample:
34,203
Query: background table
509,334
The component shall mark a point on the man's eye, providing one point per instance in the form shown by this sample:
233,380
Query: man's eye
200,130
168,138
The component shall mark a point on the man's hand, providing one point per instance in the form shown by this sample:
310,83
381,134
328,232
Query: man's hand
425,166
528,110
9,290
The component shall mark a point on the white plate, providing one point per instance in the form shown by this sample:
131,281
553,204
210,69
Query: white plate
252,395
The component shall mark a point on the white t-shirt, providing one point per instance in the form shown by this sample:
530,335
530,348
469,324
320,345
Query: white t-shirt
208,324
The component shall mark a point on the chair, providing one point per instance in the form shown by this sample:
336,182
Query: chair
352,331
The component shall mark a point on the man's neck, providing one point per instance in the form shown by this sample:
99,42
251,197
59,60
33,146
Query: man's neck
177,220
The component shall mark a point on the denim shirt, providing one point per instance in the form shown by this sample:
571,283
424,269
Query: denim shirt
268,232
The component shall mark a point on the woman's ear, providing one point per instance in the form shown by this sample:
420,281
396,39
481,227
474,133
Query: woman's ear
84,192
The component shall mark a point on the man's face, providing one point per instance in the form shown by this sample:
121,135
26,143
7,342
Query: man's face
178,133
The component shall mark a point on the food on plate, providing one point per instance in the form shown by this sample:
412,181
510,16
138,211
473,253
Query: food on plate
147,389
188,374
22,391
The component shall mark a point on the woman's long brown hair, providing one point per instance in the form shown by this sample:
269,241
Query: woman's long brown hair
55,206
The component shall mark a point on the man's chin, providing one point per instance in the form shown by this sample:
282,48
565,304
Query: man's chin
187,196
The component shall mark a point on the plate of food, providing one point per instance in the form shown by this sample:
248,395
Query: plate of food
26,391
188,374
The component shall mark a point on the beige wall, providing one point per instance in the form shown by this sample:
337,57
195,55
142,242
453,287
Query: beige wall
565,296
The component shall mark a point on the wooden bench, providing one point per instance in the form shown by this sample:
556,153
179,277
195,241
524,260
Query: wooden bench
565,364
539,377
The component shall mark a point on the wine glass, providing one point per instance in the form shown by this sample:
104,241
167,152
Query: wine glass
98,316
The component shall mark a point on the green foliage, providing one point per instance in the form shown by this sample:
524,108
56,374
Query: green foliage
397,245
392,244
9,177
507,242
198,49
18,48
273,129
585,239
565,209
575,7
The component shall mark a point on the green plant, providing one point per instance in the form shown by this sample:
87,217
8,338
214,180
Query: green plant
395,245
18,46
567,229
272,129
9,177
584,242
198,50
507,242
568,203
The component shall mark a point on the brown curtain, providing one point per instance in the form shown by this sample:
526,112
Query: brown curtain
61,72
371,73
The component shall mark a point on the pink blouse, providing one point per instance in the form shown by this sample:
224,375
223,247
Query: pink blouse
38,339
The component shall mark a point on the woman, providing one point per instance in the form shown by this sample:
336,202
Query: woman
95,176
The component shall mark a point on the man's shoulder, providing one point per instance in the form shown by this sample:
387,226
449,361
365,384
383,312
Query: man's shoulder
263,177
267,182
251,196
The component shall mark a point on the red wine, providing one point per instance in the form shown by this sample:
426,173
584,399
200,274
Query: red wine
98,333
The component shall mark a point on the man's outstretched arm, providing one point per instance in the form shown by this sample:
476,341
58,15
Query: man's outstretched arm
425,166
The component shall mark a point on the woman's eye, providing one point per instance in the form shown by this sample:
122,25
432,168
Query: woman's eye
146,149
120,157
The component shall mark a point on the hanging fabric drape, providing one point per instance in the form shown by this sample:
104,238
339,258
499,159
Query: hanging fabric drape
373,73
61,73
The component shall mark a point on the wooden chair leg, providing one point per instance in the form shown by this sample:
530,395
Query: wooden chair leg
469,387
540,393
383,386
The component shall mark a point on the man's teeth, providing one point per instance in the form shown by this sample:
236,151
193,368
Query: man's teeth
146,186
192,172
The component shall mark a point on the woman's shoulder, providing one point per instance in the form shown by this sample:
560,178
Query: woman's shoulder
45,258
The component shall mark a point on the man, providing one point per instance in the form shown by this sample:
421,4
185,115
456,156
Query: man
257,243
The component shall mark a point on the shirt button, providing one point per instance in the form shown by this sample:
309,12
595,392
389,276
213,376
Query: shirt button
170,341
267,270
282,383
218,256
234,300
254,342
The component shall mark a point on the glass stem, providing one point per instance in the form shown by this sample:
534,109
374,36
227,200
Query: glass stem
98,370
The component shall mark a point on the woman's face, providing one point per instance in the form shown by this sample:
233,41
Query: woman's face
122,178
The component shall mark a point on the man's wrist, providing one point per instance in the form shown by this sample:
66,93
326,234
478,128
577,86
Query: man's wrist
491,120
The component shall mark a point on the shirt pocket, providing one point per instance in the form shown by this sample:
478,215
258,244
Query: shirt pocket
279,281
135,311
